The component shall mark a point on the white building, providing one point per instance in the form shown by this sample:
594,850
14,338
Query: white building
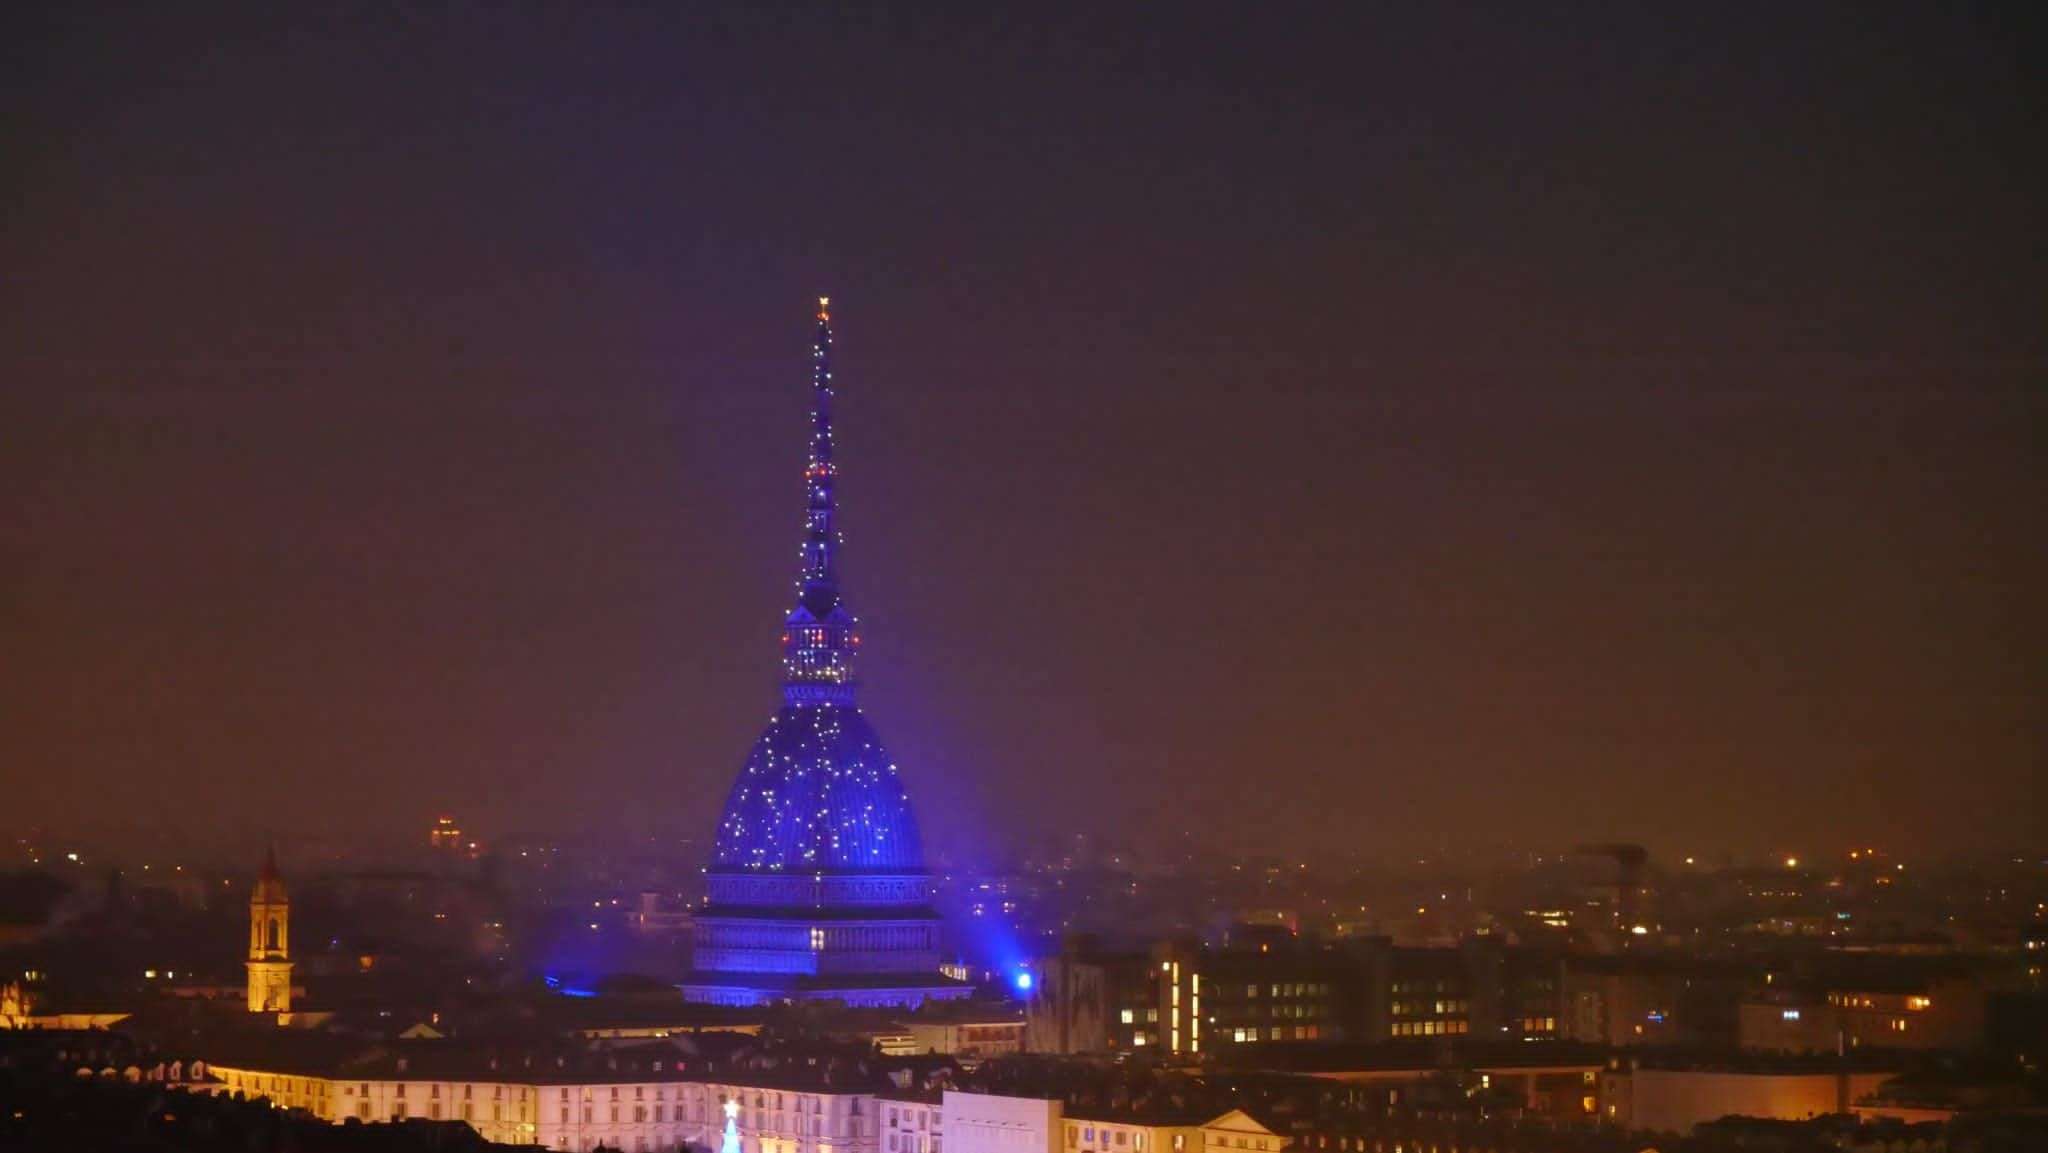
659,1098
642,1099
968,1036
497,1109
985,1123
789,1117
910,1124
640,1116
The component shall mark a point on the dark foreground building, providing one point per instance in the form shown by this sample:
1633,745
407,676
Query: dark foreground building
817,887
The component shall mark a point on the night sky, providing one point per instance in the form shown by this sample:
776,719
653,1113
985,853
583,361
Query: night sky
1304,429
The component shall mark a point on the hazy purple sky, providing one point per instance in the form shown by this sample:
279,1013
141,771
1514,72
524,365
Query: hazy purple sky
1373,427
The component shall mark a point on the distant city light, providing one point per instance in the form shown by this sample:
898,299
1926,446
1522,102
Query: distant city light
1024,981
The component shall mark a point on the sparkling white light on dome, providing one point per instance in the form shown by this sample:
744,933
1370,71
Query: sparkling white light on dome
818,791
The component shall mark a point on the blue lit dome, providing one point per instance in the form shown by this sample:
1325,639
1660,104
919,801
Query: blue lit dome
816,889
819,792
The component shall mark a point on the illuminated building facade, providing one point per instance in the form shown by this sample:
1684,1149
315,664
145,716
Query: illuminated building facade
445,836
1903,1013
1625,1000
817,889
1180,998
616,1098
269,964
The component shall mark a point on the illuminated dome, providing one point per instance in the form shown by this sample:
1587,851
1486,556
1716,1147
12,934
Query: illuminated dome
818,792
816,889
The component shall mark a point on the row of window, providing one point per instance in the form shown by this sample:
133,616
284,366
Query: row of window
1438,986
639,1114
1426,1029
433,1091
1292,1011
1291,989
641,1144
639,1093
819,938
900,1118
399,1113
803,1103
1080,1136
1438,1008
1087,1137
806,1125
1277,1033
277,1084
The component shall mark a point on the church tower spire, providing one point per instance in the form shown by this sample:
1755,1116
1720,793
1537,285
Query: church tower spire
269,964
821,636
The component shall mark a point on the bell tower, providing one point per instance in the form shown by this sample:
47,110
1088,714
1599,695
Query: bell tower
270,966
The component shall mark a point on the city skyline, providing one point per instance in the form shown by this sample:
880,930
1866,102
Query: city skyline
870,578
1299,444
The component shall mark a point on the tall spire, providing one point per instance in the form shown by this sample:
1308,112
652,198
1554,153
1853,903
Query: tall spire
820,638
269,882
818,588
